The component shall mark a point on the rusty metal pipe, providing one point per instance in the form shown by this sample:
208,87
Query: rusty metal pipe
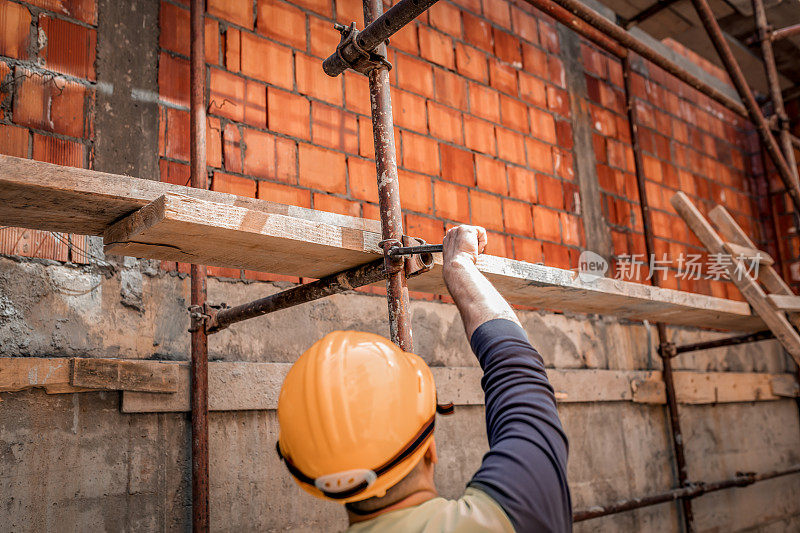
691,491
754,112
582,28
768,55
766,215
335,283
377,32
388,187
595,19
719,343
199,340
785,32
667,376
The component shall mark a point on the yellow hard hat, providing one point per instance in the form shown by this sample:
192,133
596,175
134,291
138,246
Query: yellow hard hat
356,414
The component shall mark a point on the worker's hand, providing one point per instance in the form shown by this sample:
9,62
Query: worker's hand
463,243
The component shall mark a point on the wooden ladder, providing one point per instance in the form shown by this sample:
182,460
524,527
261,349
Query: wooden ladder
775,302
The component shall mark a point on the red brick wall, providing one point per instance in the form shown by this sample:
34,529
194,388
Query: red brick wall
47,74
689,143
483,126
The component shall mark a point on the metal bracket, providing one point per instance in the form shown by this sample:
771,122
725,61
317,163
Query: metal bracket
414,262
353,55
203,317
417,263
392,264
667,350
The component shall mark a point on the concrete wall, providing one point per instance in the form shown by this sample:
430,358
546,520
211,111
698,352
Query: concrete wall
73,462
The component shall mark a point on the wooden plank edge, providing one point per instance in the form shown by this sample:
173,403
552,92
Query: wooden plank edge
97,191
520,282
235,386
124,374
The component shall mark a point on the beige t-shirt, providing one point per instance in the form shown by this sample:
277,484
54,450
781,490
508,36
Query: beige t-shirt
474,511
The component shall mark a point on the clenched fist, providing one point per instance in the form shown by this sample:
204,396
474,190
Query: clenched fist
463,242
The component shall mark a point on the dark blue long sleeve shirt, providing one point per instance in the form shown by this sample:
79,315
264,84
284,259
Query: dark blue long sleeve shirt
525,470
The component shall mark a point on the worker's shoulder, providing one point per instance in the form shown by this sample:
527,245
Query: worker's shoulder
474,511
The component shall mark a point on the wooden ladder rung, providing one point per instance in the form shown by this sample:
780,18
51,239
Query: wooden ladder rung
738,251
784,302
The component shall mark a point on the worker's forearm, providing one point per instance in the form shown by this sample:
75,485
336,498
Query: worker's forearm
476,298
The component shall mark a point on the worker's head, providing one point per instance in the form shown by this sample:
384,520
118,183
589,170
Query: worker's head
356,417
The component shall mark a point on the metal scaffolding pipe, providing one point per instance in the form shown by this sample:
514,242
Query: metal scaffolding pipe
375,33
199,340
388,187
719,343
635,45
335,283
582,28
739,81
785,32
667,376
768,55
691,491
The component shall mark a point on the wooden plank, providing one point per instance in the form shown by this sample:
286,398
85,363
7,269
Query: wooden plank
750,289
784,302
180,228
785,385
49,373
255,386
51,197
461,385
649,390
43,196
750,254
242,386
733,232
121,374
592,385
722,387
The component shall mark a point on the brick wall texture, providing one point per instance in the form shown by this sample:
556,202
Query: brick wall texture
482,115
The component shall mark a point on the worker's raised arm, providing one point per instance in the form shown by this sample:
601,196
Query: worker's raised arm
477,299
525,470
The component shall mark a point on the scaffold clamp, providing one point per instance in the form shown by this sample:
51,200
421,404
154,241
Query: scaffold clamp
350,54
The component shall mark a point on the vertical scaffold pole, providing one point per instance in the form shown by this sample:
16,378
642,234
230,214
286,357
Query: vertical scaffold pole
199,361
763,33
717,37
388,186
669,383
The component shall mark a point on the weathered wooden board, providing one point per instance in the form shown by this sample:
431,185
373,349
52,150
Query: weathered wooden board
243,386
748,253
52,197
255,386
727,387
181,228
49,373
732,232
124,374
461,385
776,321
784,302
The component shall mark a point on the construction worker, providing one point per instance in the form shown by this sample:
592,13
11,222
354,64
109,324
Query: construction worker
356,418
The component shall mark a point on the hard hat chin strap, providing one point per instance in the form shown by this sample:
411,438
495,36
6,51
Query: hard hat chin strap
407,450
